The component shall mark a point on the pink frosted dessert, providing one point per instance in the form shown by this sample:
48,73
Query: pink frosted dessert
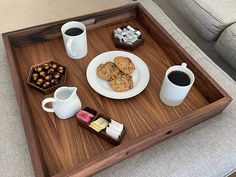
84,116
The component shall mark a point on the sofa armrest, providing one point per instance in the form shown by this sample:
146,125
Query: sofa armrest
226,45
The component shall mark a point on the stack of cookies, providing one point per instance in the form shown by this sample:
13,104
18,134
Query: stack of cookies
118,74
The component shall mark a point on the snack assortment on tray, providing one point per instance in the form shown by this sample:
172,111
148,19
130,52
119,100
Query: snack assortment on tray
103,126
114,79
47,76
127,37
118,74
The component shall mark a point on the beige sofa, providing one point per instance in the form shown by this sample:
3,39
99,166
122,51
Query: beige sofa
214,20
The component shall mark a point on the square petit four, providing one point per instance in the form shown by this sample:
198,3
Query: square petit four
84,116
115,129
99,124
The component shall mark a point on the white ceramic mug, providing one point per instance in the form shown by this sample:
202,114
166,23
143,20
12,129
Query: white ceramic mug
65,102
172,94
76,46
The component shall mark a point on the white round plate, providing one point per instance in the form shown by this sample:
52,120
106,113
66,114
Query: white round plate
140,75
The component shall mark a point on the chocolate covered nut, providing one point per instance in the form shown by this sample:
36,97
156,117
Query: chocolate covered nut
54,66
54,81
39,82
35,76
57,76
61,71
46,66
61,67
46,85
42,74
48,78
38,69
50,71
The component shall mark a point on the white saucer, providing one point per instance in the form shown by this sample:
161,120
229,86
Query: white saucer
140,75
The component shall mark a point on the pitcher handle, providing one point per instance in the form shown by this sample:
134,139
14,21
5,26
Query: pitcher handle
45,101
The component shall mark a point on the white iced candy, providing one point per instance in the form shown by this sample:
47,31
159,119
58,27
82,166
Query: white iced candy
138,33
134,39
125,39
131,33
118,36
129,36
129,42
125,29
124,33
118,129
112,133
116,125
119,30
130,28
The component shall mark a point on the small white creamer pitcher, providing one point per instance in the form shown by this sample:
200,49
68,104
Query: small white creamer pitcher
65,103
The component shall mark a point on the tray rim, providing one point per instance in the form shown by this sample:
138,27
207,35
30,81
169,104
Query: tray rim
124,151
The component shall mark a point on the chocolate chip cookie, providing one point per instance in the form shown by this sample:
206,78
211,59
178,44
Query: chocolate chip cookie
122,82
124,64
107,71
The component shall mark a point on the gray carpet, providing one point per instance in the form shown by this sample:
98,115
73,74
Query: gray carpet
208,149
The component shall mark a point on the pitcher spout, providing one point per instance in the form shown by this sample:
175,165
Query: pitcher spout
65,93
73,90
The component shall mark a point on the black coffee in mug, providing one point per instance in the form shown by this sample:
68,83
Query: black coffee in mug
74,31
179,78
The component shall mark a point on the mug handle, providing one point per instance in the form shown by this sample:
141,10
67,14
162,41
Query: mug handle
45,101
184,65
69,47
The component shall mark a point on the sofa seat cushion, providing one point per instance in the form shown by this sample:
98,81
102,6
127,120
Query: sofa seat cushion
208,17
226,45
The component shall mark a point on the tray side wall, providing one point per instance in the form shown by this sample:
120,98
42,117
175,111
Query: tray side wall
39,165
124,151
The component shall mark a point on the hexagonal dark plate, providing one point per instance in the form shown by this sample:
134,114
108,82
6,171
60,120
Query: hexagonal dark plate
52,88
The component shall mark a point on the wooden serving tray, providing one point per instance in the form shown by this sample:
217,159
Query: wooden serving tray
62,147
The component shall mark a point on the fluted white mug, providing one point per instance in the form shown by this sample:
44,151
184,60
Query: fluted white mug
76,46
172,94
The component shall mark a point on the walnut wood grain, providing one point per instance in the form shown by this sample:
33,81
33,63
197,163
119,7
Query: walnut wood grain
62,147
